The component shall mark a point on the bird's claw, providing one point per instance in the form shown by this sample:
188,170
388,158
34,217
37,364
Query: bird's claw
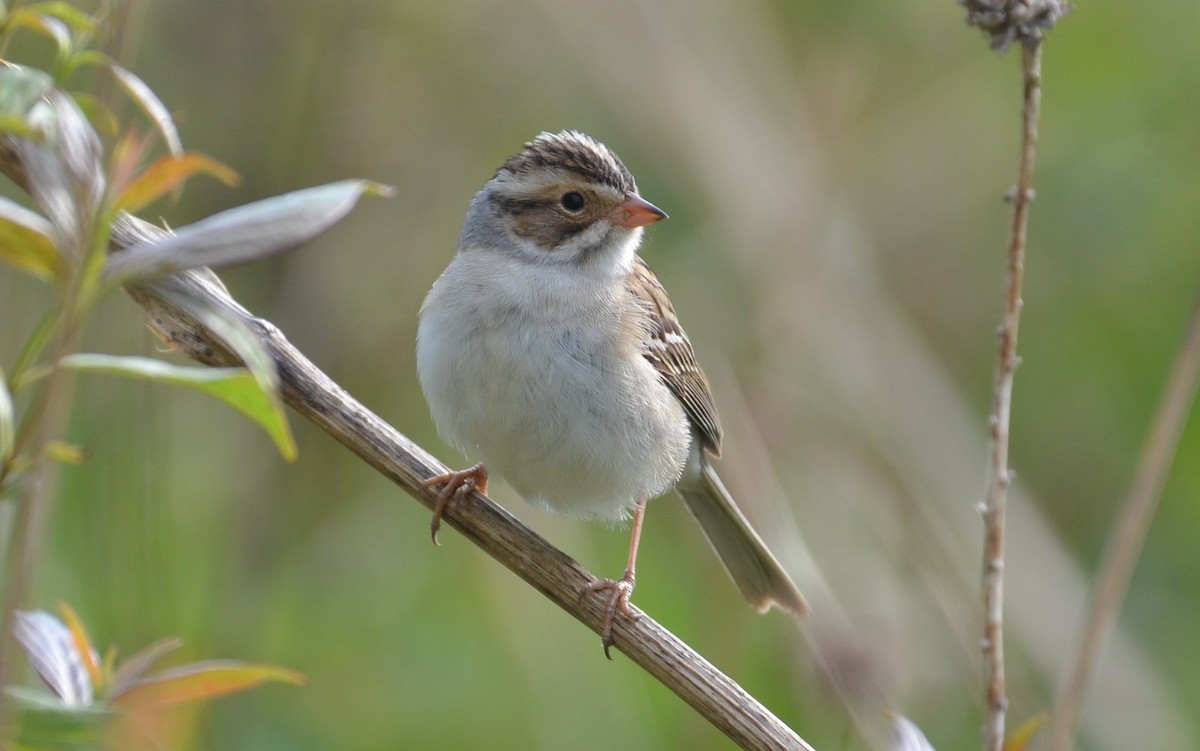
454,485
619,592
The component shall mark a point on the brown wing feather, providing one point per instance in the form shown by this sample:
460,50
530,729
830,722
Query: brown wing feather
667,348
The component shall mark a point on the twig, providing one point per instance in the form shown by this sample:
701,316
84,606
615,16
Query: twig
1006,21
561,579
714,695
1128,536
999,476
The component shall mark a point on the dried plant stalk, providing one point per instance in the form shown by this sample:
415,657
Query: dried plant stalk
999,475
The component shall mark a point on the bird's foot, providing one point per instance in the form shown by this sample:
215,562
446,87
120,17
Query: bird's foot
619,591
454,485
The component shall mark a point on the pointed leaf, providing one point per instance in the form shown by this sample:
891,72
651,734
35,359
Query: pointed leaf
236,387
14,125
83,643
151,105
50,647
27,241
64,453
67,13
31,350
168,173
126,158
1020,738
8,421
224,322
245,233
202,680
98,113
45,25
135,668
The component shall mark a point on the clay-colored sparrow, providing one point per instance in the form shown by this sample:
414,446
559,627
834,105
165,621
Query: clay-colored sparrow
549,352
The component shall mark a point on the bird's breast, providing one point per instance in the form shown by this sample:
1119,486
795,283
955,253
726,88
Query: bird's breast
555,397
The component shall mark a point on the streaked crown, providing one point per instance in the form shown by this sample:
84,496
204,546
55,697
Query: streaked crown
574,154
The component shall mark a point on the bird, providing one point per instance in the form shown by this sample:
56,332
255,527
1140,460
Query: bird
550,353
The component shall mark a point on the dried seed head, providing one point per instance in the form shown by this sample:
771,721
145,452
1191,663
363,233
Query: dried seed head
1006,21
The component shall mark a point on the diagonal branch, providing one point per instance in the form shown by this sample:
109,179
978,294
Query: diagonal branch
556,575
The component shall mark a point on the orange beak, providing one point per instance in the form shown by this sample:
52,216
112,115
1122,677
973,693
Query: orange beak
636,211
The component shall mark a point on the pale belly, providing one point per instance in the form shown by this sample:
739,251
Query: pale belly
566,421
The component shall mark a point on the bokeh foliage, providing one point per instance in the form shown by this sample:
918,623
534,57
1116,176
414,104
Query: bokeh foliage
834,173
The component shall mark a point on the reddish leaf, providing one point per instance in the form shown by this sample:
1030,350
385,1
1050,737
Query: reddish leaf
127,155
83,643
168,173
201,680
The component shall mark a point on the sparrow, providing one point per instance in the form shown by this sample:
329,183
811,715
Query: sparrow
550,353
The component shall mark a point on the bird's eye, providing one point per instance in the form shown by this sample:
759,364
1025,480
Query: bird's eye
572,202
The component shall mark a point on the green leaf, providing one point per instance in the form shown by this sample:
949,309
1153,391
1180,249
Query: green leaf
222,317
21,88
14,125
98,113
236,387
245,233
47,724
225,322
8,422
27,241
1020,738
149,102
201,680
46,25
63,452
31,350
67,13
168,173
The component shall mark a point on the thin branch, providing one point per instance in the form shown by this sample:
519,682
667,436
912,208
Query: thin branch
553,573
1128,536
1005,22
715,696
999,476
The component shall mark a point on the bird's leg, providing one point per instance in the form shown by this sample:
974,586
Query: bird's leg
621,589
454,485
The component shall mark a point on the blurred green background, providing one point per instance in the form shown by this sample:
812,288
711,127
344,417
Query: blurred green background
834,173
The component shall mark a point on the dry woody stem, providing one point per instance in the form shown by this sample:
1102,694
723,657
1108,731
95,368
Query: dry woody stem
1005,22
556,575
999,475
